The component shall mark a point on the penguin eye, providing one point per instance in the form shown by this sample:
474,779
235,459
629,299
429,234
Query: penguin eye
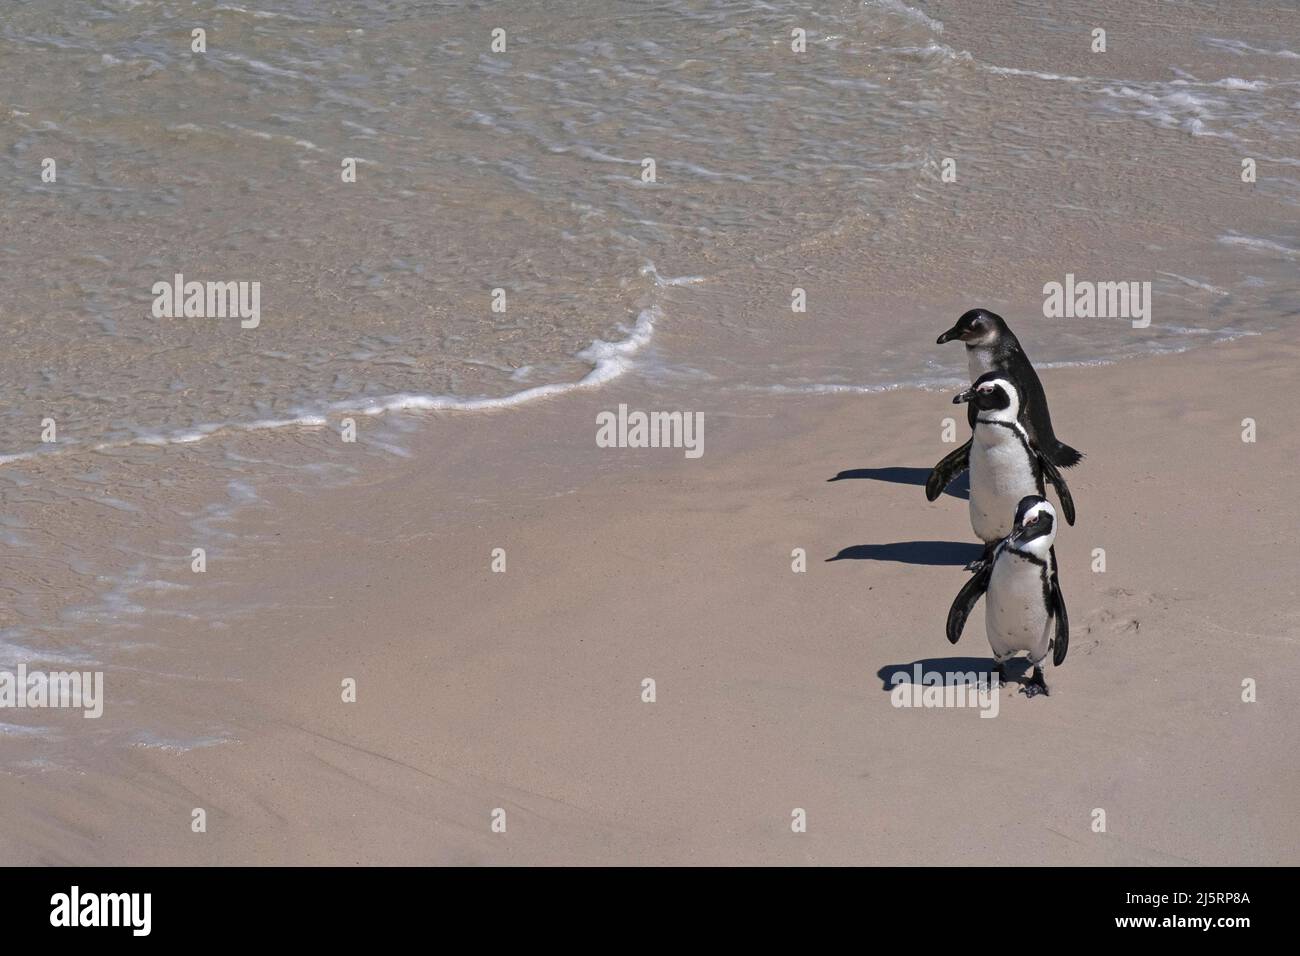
1032,519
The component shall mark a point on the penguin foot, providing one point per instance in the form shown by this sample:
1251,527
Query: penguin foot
1037,683
980,563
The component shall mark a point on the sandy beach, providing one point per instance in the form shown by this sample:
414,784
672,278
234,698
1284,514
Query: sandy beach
522,690
364,579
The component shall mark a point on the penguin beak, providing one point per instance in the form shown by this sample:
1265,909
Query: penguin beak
1022,533
965,396
952,333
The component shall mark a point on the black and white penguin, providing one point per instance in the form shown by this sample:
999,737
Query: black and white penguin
1005,464
992,347
1023,606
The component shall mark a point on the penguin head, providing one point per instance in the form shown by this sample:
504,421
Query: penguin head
978,327
1035,527
995,394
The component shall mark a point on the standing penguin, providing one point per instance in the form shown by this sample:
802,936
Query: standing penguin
1005,464
1024,609
992,347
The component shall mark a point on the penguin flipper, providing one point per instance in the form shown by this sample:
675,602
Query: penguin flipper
966,600
1062,642
1053,475
942,474
1063,456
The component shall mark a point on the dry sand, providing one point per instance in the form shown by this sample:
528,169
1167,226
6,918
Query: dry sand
522,690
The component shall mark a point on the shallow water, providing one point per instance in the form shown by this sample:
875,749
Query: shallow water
522,171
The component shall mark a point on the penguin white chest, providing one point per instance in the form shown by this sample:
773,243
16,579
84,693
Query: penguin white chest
1001,473
1016,614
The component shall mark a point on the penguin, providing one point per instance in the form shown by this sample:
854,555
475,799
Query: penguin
991,346
1005,464
1023,606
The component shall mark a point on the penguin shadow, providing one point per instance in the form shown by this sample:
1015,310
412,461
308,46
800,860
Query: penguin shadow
898,475
1017,669
956,553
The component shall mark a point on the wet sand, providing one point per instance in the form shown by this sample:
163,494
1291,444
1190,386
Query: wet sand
522,690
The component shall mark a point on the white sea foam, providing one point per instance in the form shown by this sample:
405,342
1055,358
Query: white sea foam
1179,109
12,652
18,456
835,388
21,730
1196,283
1152,347
609,360
1263,245
1013,71
1241,48
1221,335
257,14
1227,83
933,51
177,745
259,67
909,13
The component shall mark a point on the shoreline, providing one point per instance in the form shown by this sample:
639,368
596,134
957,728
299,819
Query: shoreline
479,690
